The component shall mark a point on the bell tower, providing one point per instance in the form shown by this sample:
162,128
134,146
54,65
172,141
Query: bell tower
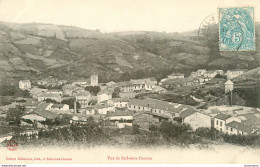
94,80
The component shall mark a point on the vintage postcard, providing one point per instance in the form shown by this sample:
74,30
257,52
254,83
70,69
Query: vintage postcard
129,82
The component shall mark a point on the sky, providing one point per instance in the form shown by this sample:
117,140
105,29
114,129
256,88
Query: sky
119,15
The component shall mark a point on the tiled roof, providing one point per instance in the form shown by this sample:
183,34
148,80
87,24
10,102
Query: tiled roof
120,113
222,116
229,82
252,119
240,126
178,81
142,81
57,105
159,115
176,74
101,106
83,93
40,110
157,104
49,95
25,81
187,113
54,90
120,100
69,87
31,102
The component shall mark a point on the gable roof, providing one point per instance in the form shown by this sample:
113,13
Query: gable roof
58,105
158,104
49,95
223,117
229,82
83,93
240,126
120,113
32,102
120,100
187,113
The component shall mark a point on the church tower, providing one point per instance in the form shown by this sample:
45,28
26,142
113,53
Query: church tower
94,80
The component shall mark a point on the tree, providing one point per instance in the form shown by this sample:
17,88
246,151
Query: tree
50,101
178,119
23,93
93,89
14,114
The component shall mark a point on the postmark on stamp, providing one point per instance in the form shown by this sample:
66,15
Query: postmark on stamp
12,145
236,29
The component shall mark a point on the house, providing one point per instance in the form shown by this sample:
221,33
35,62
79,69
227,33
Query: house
216,81
220,72
25,84
202,79
62,82
229,86
142,84
238,128
210,74
55,91
127,95
120,118
126,86
81,82
31,104
120,102
111,83
88,111
178,82
175,75
46,96
60,107
198,73
221,120
195,119
71,90
104,95
41,113
235,73
49,82
145,119
83,98
103,108
35,92
152,79
159,89
155,106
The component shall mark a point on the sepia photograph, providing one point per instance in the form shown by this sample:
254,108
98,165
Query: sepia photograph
130,82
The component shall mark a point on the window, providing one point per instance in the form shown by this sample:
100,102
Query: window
220,123
139,107
231,129
217,122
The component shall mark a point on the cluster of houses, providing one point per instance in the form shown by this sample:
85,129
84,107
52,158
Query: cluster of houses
124,109
199,77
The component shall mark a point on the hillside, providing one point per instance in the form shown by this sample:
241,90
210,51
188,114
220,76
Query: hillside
251,76
37,50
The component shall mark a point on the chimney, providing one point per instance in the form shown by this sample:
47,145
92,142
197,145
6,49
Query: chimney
75,107
231,98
